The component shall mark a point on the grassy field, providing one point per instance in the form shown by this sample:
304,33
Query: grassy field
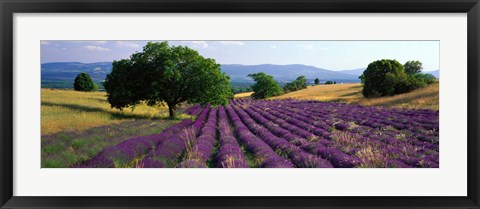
245,94
67,110
78,125
328,93
425,98
64,149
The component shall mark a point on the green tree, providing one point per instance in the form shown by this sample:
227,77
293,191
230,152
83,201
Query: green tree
384,78
297,84
413,67
83,82
265,86
425,78
317,81
166,75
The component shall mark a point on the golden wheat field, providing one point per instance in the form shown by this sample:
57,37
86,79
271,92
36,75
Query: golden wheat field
245,94
424,98
68,110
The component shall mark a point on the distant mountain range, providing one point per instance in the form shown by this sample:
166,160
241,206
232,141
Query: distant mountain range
286,73
63,73
356,72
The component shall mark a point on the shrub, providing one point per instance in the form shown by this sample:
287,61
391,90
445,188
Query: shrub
298,84
265,86
83,82
389,77
330,82
384,78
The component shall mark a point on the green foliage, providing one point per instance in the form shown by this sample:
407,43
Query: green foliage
382,78
83,82
389,77
426,78
413,67
163,74
265,86
330,82
317,81
297,84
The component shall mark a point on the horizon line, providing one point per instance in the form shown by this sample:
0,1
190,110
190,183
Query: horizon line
429,70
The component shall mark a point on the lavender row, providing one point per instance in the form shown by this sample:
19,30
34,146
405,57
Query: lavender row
298,156
388,136
125,152
230,155
429,160
404,154
264,156
423,124
199,151
310,144
194,110
170,150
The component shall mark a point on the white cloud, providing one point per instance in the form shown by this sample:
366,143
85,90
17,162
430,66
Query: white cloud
274,46
306,47
95,48
203,44
238,43
97,69
127,44
44,42
64,49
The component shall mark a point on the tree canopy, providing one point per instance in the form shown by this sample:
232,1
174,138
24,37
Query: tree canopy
382,77
83,82
389,77
166,75
317,81
265,86
413,67
297,84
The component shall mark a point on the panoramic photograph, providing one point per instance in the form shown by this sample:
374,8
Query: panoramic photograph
239,104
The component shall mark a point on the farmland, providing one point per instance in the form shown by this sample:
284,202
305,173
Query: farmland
80,129
424,98
77,125
174,105
284,134
66,111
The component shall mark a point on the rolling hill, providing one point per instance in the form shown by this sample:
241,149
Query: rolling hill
62,74
286,73
423,98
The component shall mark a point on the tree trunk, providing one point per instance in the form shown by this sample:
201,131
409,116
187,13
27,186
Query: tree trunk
171,111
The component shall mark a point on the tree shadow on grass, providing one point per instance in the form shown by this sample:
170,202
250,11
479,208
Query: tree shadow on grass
355,87
113,114
99,100
351,94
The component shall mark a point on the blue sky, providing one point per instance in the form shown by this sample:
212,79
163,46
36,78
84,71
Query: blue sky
331,55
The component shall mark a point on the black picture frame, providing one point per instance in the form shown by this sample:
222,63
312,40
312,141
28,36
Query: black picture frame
9,7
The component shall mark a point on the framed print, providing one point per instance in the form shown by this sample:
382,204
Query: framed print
264,104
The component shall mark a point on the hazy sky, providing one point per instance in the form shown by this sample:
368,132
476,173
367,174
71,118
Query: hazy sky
331,55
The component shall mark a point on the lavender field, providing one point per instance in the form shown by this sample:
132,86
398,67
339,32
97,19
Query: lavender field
284,134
